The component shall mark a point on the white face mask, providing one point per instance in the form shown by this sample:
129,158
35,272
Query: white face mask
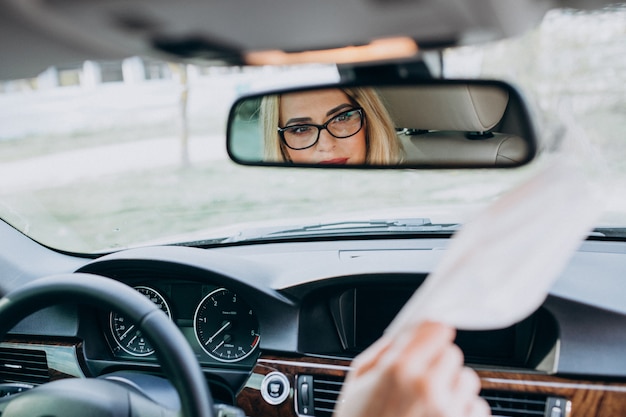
500,266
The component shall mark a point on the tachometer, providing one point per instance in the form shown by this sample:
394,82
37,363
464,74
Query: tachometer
225,326
126,333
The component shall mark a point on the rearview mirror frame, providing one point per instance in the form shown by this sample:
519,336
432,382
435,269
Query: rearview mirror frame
516,114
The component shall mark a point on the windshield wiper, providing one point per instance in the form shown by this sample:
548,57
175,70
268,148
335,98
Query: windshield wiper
346,228
367,227
608,232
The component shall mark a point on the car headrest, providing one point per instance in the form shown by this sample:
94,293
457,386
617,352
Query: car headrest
467,108
444,148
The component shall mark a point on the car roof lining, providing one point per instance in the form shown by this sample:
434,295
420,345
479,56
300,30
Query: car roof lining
36,34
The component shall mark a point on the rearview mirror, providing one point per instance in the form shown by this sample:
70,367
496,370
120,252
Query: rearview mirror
429,124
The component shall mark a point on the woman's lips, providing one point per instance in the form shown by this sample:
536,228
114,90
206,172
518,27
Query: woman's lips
335,161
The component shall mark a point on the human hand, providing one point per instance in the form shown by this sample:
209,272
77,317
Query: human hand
419,374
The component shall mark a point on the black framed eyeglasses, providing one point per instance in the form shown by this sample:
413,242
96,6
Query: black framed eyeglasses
341,126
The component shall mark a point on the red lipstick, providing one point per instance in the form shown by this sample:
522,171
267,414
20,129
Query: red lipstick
335,161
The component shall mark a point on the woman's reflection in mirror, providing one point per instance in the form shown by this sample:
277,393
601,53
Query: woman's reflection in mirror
331,126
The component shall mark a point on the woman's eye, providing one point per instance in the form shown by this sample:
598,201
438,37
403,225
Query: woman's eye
345,117
299,130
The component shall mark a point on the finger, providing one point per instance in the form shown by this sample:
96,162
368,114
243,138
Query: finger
469,382
465,390
418,348
478,408
367,359
466,382
404,369
435,383
445,368
441,366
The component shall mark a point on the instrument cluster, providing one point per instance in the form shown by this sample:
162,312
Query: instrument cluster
217,322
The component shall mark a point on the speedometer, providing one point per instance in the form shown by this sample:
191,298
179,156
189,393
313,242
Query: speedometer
126,333
225,326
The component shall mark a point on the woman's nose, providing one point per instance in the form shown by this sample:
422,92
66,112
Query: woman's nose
326,141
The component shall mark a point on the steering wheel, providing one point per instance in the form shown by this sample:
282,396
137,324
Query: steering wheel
101,397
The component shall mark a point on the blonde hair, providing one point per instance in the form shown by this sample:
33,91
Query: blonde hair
382,144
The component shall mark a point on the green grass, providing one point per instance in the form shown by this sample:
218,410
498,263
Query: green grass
118,211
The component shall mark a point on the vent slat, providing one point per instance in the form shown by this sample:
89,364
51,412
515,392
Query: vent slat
320,410
22,358
513,404
325,391
23,365
322,400
511,412
23,374
329,382
515,400
515,412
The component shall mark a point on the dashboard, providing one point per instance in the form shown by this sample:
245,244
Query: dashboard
275,326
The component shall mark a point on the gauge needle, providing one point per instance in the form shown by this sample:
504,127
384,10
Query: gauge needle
122,337
221,329
131,341
219,346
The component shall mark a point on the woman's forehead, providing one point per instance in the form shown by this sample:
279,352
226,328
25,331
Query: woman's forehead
311,104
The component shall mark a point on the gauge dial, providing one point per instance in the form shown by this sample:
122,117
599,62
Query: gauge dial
225,326
126,333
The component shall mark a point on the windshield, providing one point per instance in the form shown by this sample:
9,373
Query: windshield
96,156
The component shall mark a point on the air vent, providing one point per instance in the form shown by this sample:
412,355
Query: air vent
503,404
23,365
518,404
325,393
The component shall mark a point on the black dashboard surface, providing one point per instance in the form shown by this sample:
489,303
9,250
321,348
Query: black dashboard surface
332,299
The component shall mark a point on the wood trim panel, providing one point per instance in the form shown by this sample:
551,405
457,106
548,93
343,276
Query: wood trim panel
588,398
250,400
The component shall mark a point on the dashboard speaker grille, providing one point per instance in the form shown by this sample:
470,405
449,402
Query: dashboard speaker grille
23,365
502,403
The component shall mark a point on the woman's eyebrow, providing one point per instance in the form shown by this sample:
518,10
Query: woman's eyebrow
339,107
298,120
329,113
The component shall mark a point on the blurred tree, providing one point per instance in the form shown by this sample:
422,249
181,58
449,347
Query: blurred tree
179,72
